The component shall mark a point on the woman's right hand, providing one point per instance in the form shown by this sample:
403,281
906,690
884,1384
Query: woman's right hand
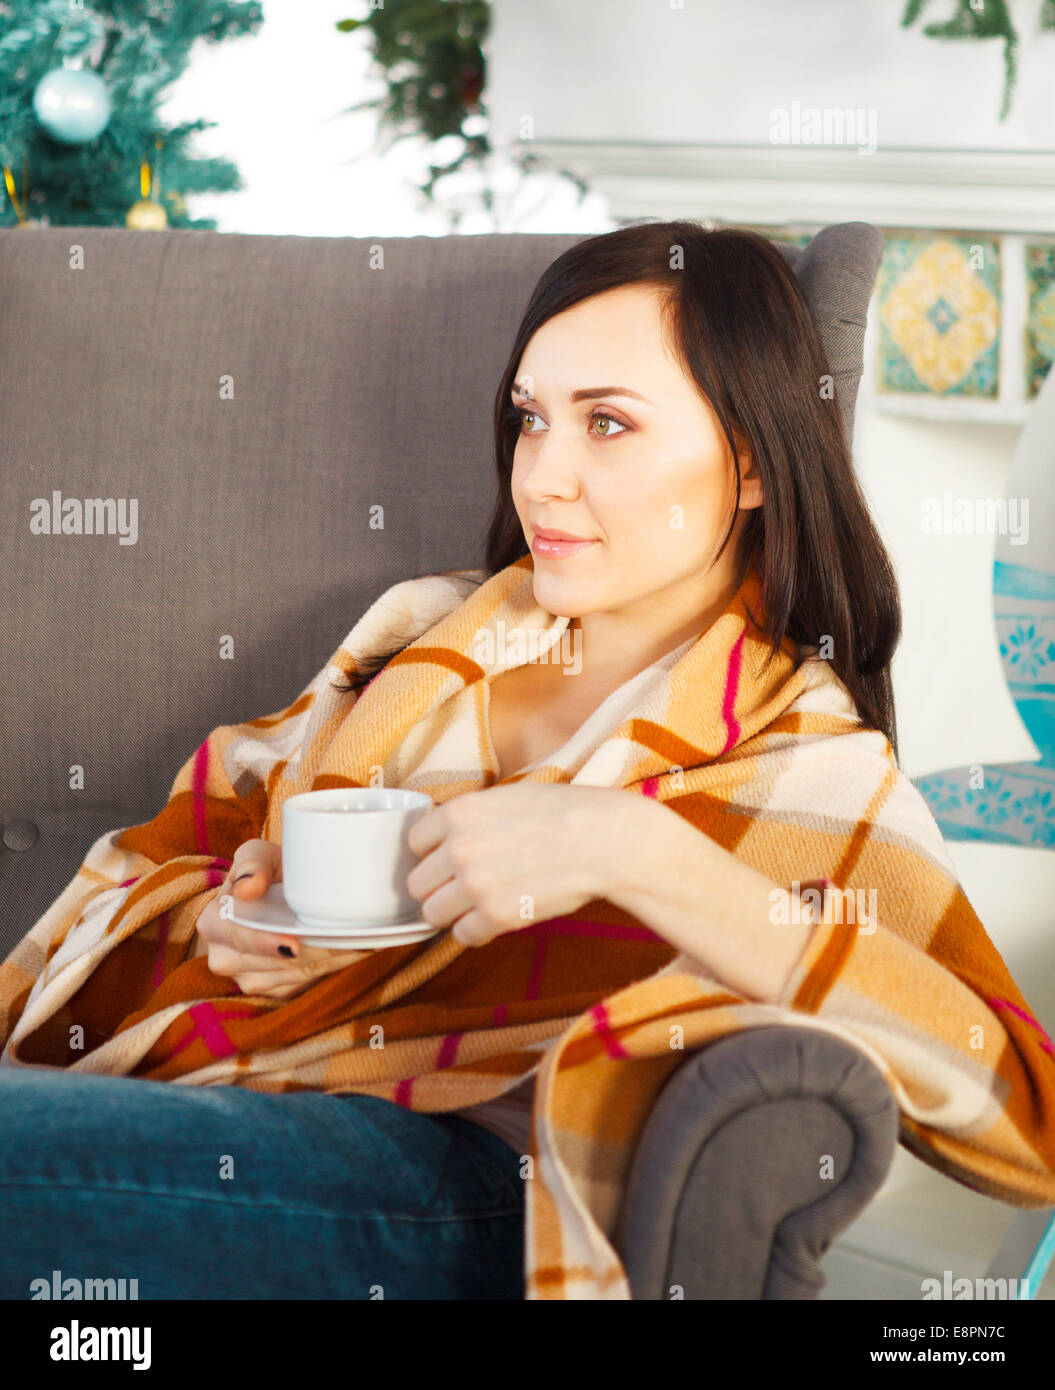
252,958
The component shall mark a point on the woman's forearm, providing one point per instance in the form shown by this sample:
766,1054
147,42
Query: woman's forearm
703,900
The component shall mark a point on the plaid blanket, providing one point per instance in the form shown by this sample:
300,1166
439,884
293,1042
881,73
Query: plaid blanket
773,764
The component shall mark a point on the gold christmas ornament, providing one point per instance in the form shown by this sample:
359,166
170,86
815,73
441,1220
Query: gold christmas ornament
146,216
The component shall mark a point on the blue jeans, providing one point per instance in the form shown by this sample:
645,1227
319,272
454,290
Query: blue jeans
207,1192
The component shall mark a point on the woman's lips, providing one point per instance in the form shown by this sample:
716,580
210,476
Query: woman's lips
552,549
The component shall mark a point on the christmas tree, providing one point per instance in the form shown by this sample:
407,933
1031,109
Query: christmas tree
81,143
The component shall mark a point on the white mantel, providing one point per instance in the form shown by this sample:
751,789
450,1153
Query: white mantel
990,191
994,192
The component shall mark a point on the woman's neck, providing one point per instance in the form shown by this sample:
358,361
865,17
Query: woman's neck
617,646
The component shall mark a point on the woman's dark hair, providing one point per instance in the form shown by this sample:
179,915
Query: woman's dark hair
739,323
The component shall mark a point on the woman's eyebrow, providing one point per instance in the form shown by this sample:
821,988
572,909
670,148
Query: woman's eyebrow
589,393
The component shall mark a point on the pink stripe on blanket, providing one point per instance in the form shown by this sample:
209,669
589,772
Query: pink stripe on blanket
208,1027
602,1027
448,1050
1047,1044
201,768
447,1053
732,686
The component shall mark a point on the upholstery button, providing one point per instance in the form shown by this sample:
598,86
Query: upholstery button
20,834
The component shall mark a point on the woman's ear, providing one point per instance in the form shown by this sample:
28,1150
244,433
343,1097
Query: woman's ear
750,480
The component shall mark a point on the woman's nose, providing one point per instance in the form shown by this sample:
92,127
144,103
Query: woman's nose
553,473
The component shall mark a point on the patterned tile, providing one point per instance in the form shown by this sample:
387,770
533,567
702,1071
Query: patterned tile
939,315
1040,319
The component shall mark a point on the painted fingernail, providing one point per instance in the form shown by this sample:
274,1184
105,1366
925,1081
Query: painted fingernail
285,950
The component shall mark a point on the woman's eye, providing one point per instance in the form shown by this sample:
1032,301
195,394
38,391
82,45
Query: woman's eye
602,415
526,415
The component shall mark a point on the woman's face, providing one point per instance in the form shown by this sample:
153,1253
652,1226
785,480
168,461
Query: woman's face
648,477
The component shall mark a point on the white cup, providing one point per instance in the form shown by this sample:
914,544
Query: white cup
345,857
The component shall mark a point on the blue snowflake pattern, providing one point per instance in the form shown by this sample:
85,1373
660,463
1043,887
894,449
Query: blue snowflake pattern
988,803
1035,813
941,795
1026,651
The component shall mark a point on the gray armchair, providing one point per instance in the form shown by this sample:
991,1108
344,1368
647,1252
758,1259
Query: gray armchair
352,381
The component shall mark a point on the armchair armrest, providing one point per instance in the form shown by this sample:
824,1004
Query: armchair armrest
730,1195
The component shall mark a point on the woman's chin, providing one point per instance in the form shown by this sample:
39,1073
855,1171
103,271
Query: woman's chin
560,599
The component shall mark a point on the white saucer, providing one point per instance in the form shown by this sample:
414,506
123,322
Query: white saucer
272,913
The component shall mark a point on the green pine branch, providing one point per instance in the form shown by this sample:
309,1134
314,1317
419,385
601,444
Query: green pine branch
985,19
429,54
138,48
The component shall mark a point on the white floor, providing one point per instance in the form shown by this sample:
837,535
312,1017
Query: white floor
921,1222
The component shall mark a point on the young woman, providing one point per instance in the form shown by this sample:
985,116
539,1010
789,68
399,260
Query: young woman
673,416
664,433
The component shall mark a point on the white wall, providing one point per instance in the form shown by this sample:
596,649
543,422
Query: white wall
712,71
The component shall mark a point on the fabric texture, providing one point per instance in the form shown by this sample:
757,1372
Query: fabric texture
771,761
306,1195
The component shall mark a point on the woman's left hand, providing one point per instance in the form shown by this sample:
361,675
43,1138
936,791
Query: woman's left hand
500,859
